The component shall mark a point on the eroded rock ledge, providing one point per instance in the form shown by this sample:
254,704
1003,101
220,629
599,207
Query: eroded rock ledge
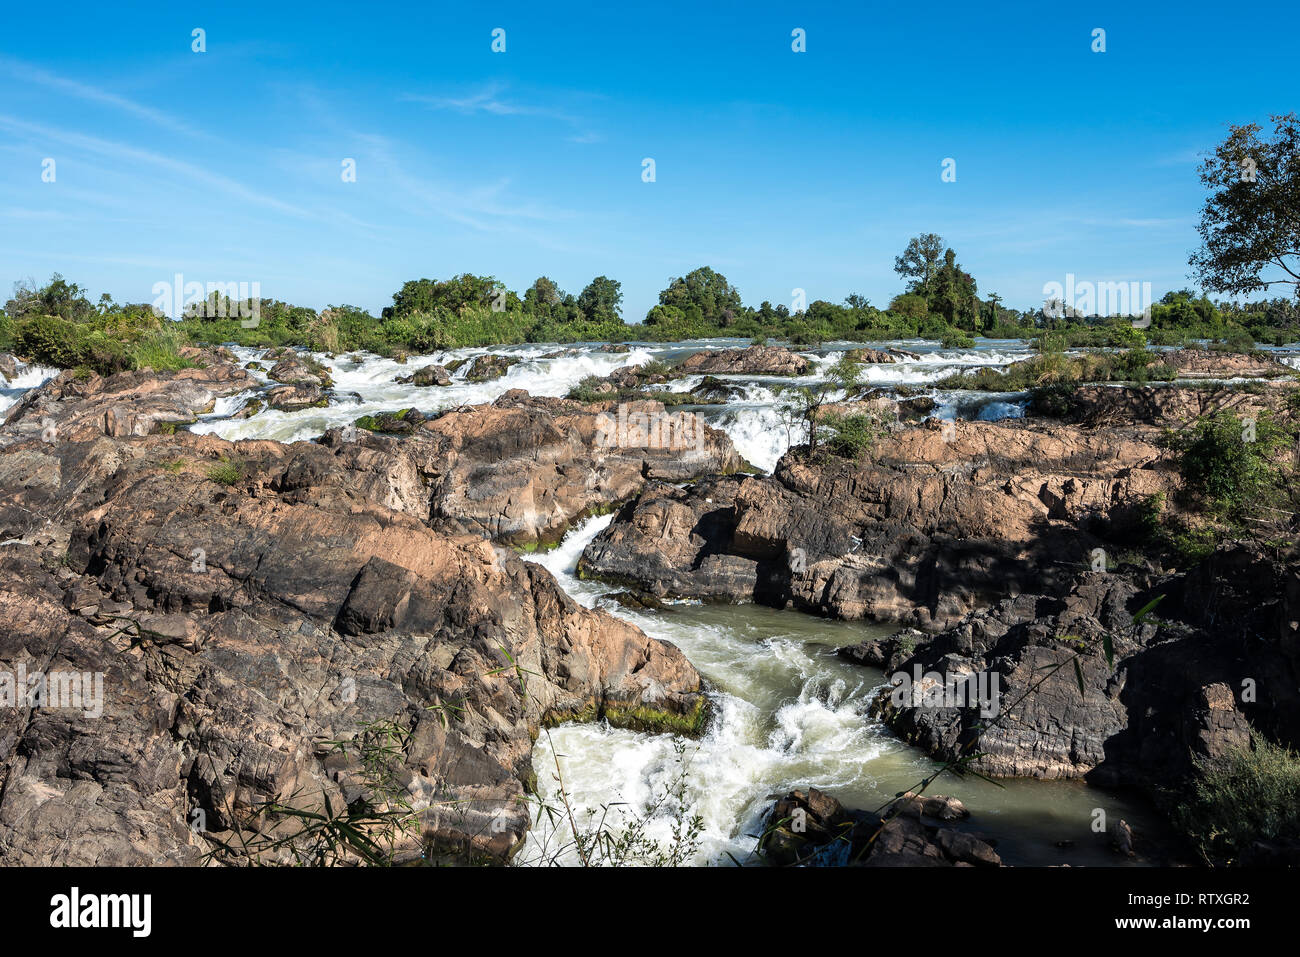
248,604
1177,690
938,522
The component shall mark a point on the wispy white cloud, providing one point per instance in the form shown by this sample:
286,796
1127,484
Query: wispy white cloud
1177,222
486,208
492,100
18,212
487,100
94,94
204,177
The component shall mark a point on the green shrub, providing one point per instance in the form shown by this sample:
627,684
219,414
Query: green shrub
1194,544
588,390
1126,337
228,472
850,436
108,342
1150,517
1236,340
49,341
1054,401
1224,468
1249,795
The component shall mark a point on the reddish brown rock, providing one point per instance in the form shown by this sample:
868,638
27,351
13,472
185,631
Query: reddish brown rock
1212,364
245,605
755,360
939,521
128,403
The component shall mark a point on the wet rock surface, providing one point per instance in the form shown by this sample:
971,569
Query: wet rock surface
483,368
1177,688
74,408
1212,364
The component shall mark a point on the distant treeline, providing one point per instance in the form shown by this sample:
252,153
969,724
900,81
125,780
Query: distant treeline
58,325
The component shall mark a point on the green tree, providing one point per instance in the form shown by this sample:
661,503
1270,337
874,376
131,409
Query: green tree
543,293
455,294
1250,224
995,311
718,300
58,297
920,260
910,306
952,294
602,299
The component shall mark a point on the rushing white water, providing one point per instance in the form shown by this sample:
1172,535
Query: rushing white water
787,712
756,740
26,377
366,384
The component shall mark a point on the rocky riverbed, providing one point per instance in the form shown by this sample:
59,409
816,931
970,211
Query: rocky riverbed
261,581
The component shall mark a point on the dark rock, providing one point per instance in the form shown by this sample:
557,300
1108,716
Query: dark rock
936,523
809,827
430,375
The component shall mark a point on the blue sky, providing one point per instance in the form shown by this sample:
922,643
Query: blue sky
779,169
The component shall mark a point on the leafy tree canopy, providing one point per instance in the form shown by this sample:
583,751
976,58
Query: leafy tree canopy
1250,224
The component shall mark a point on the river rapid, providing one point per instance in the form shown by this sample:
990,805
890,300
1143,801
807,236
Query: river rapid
787,712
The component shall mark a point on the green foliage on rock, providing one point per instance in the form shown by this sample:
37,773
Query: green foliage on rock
1227,462
1249,795
56,325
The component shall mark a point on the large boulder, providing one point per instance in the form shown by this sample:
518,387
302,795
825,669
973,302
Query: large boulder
1221,657
295,369
1213,364
522,470
810,827
429,375
296,396
1166,405
485,367
755,360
